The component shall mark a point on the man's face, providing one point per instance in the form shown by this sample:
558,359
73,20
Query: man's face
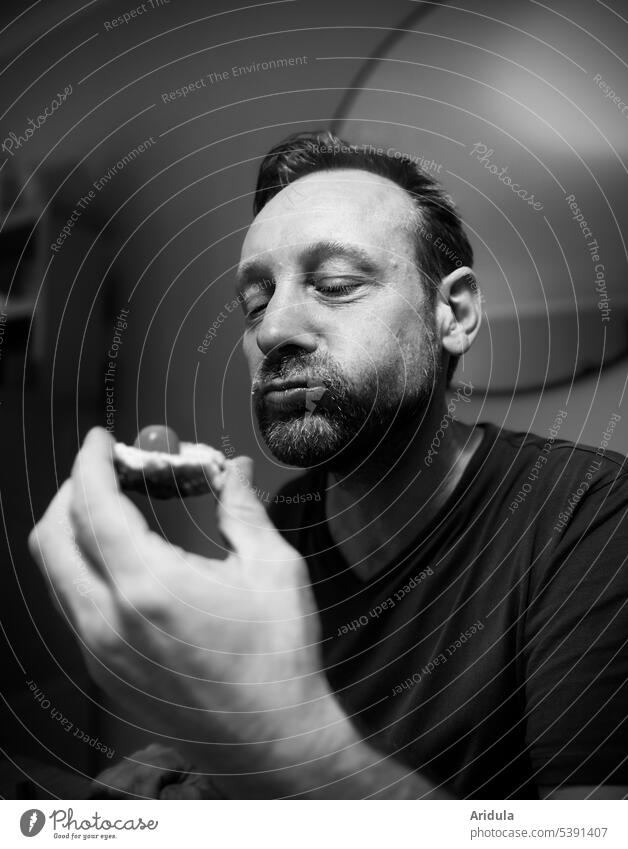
340,338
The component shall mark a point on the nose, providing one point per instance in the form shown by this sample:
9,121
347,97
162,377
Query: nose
286,323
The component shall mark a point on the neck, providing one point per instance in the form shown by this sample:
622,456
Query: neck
375,510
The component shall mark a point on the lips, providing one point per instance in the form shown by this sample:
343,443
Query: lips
292,393
289,384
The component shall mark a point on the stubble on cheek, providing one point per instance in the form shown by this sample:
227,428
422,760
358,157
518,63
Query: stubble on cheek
341,427
316,431
353,416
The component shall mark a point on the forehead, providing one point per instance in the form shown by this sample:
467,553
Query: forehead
346,205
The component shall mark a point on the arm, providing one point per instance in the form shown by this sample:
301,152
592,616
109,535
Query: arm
322,756
354,770
221,654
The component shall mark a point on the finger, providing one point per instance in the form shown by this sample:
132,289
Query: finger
152,779
73,582
116,781
140,782
142,774
202,786
108,785
182,790
242,519
109,528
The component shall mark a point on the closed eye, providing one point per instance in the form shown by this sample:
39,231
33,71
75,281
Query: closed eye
256,297
337,284
330,286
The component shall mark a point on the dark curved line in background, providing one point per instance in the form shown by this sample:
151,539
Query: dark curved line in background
355,89
357,85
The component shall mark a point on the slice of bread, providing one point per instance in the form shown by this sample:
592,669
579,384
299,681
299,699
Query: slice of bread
196,470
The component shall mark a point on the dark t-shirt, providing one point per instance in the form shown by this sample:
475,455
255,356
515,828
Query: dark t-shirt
491,655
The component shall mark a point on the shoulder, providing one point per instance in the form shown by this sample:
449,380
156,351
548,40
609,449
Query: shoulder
573,503
559,451
544,471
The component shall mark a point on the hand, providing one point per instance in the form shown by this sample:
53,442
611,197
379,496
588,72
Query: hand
222,654
156,772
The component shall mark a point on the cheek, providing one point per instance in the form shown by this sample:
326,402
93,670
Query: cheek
417,349
252,353
407,349
396,335
378,354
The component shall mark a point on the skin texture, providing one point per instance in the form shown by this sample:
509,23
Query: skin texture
219,654
379,332
384,333
223,654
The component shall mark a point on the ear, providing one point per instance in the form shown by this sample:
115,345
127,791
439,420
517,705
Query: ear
459,311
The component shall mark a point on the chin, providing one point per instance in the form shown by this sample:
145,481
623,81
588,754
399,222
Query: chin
346,428
303,442
316,441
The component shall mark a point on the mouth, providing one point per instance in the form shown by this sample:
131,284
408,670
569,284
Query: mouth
290,384
291,393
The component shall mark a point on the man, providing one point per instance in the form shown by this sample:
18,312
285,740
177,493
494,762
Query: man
411,633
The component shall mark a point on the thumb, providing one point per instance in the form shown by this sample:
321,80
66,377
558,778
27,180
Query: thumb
241,516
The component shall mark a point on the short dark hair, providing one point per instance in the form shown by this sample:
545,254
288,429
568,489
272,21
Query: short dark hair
442,244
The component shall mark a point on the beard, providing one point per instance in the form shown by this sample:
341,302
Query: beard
342,424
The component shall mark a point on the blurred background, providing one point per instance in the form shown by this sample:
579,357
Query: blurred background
131,137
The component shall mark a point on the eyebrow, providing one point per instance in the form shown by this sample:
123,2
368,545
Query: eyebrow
311,257
319,252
